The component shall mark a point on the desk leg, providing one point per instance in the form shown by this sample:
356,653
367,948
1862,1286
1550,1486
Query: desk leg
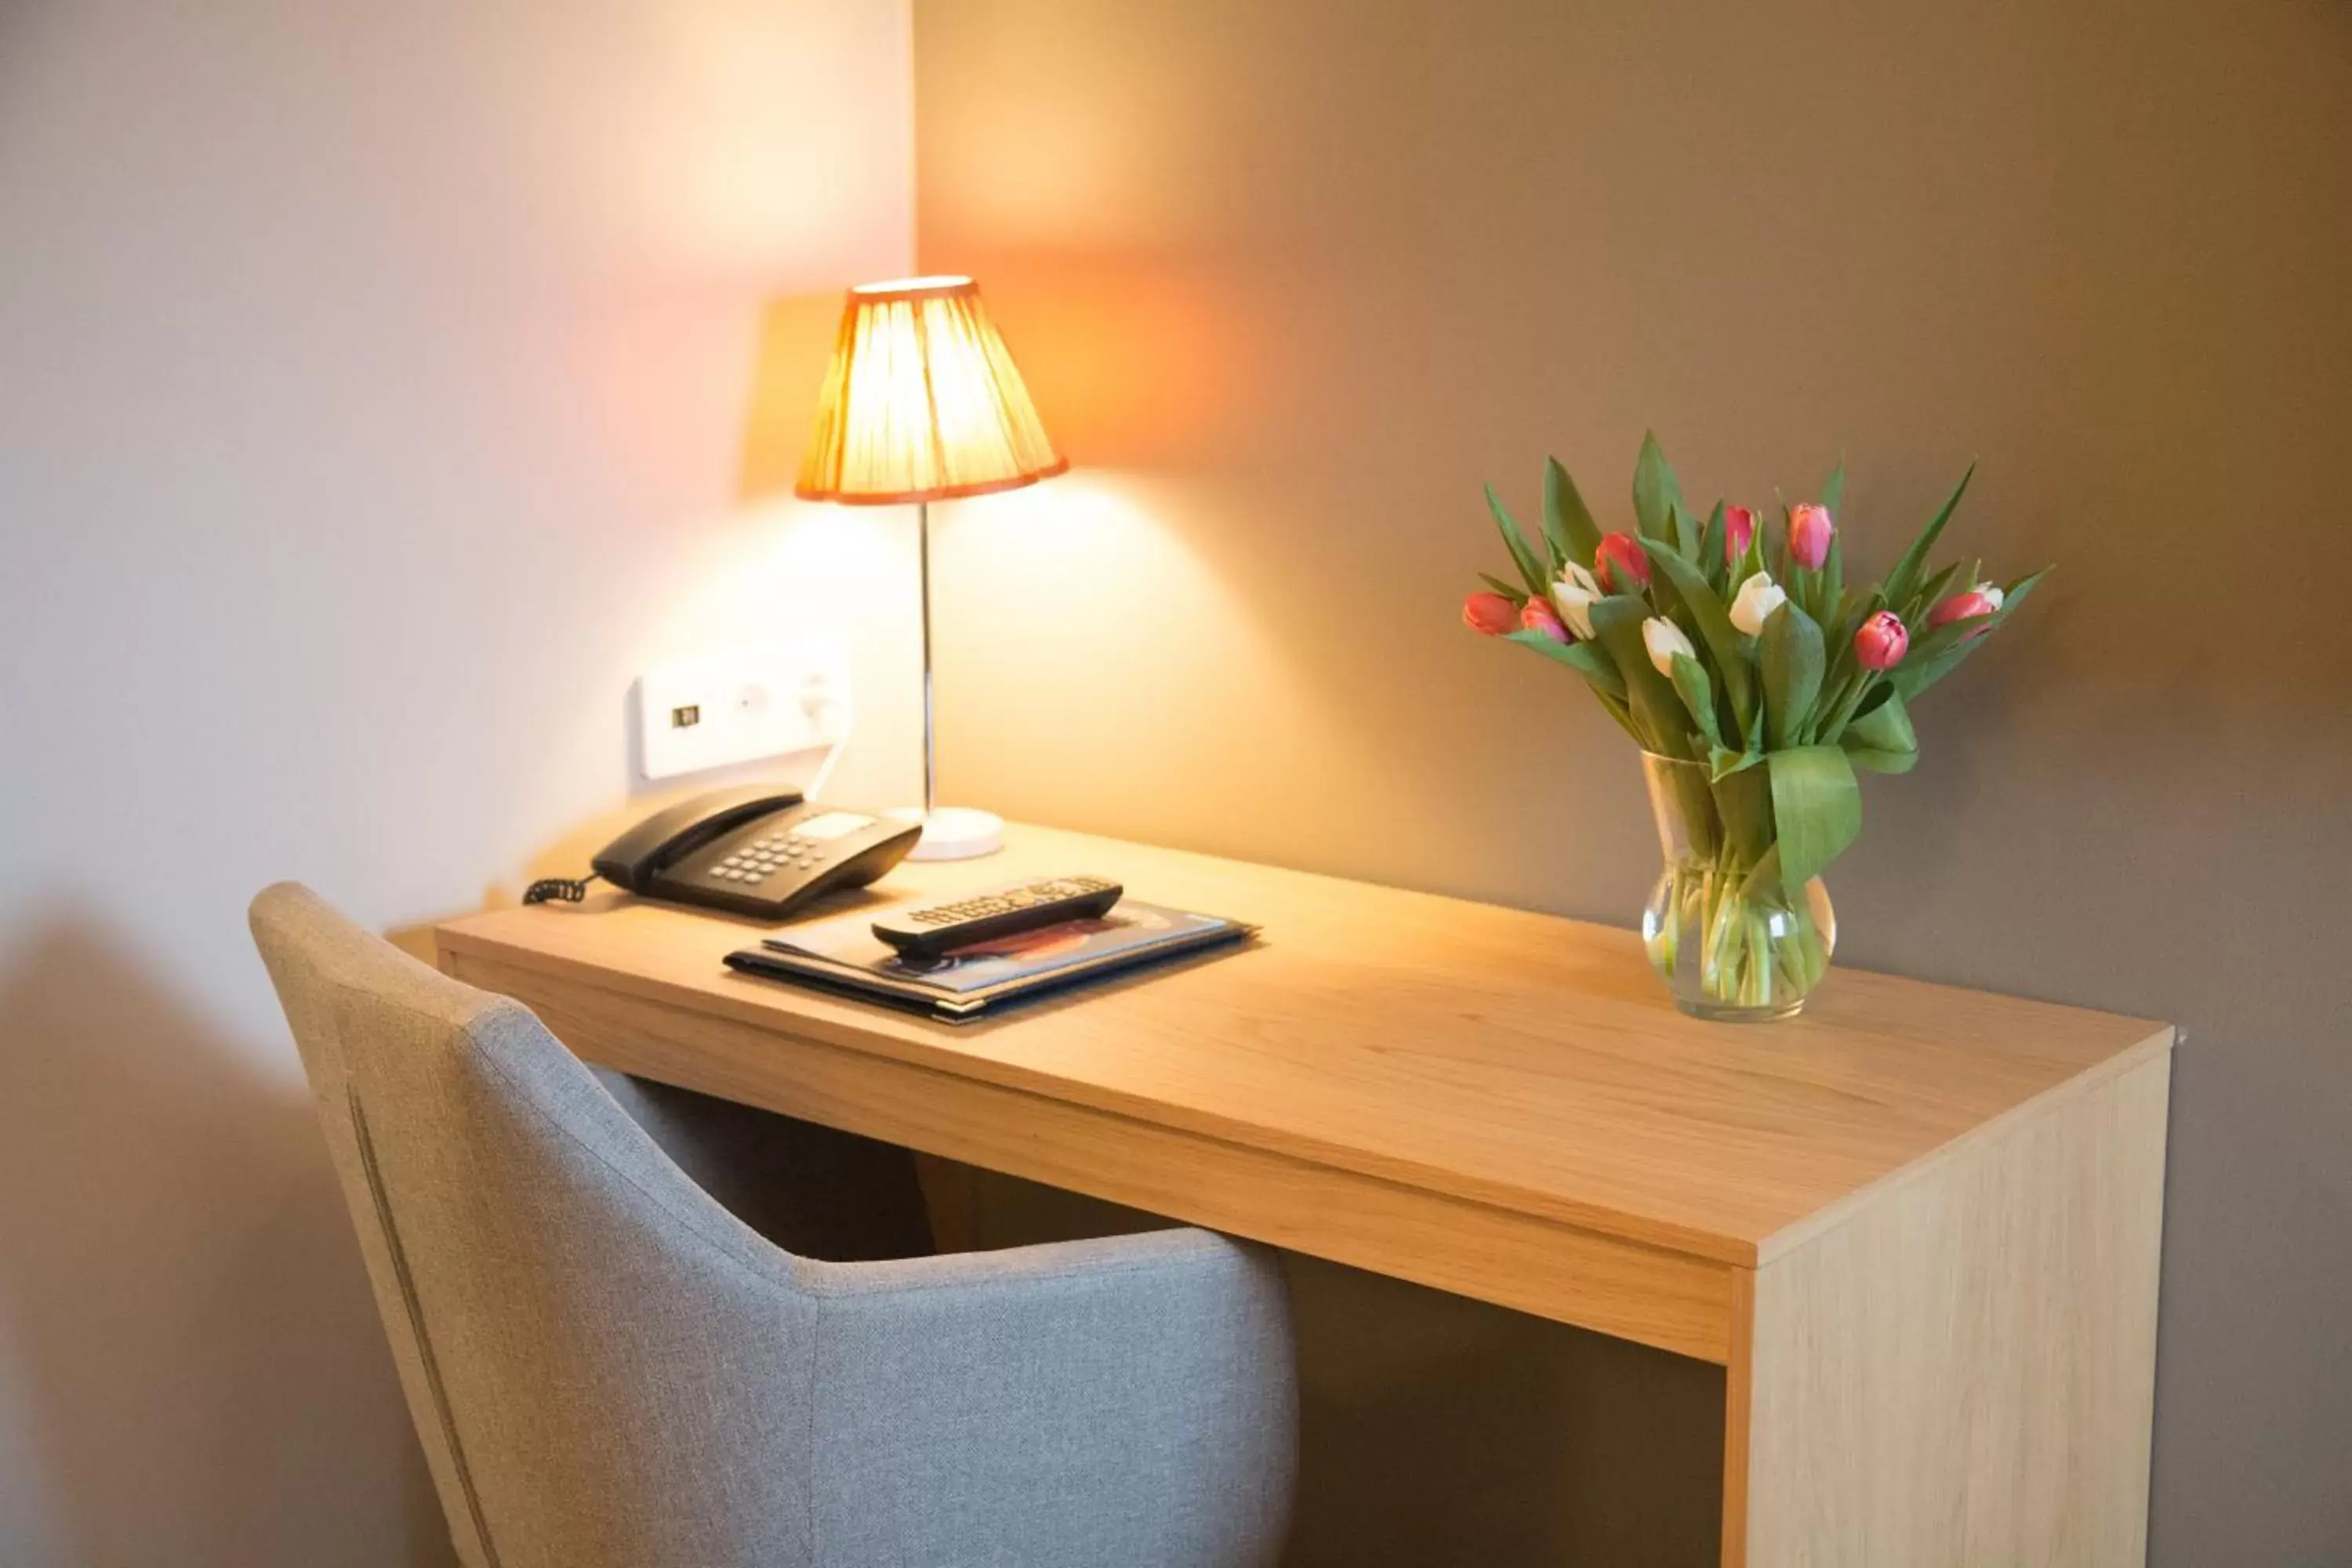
1738,1409
1961,1371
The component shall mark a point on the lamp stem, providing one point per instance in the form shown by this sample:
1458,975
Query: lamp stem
931,753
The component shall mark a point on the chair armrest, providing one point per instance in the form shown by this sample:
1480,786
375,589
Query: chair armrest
1129,1400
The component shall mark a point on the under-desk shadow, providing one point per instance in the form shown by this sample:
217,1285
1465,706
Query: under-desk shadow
1437,1430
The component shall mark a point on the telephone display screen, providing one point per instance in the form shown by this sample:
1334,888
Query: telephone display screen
830,825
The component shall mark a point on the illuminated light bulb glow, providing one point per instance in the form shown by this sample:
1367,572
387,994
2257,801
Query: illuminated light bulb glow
921,402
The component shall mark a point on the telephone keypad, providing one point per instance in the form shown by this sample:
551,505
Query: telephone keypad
759,859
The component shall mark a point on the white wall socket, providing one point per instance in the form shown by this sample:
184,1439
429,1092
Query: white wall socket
699,714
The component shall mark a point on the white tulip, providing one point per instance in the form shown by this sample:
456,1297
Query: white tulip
1758,598
1573,595
1664,640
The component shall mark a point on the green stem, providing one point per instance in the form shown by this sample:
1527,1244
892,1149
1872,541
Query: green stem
1733,936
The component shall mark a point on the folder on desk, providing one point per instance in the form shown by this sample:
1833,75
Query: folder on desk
843,954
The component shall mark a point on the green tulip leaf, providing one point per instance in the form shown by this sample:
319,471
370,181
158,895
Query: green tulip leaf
1856,606
1932,644
1538,579
1751,560
1651,698
1518,596
1682,529
1790,653
1942,651
1905,576
1655,491
1816,810
1714,630
1881,738
1722,762
1930,594
1568,521
1581,657
1743,799
1711,546
1834,487
1698,697
1872,761
2014,594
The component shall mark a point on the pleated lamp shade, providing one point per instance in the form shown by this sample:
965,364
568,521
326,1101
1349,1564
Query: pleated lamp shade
922,401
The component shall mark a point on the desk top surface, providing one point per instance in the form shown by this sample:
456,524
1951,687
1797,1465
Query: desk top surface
1514,1058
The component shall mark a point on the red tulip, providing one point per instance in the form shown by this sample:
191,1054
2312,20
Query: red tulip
1738,528
1810,529
1620,564
1489,614
1882,642
1966,605
1538,617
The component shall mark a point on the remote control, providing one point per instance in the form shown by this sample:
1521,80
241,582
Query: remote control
929,931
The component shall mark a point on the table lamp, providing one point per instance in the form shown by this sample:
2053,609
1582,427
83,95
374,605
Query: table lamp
921,403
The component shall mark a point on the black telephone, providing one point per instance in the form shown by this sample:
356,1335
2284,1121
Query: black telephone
757,849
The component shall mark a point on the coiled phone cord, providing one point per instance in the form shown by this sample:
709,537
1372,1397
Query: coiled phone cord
548,890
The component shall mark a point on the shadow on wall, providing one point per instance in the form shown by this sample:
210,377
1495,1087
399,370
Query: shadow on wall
193,1366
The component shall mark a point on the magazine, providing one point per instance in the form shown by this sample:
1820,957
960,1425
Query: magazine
844,954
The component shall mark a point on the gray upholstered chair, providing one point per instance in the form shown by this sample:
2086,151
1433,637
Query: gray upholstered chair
610,1370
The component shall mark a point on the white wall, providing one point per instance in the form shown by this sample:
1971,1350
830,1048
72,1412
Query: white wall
375,384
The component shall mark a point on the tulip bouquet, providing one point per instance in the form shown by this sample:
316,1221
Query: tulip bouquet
1754,680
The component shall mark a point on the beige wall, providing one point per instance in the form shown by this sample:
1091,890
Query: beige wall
1291,279
382,384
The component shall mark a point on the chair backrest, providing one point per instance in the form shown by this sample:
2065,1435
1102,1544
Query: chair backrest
607,1369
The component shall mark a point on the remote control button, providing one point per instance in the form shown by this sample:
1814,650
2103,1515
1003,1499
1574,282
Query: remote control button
927,930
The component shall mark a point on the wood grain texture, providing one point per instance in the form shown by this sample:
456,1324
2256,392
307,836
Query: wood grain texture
1962,1372
1918,1227
1512,1059
1673,1300
1738,1410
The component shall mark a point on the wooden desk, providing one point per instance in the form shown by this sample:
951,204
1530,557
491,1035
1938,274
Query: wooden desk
1918,1226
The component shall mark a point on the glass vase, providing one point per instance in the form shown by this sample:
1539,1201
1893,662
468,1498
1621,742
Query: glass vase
1729,940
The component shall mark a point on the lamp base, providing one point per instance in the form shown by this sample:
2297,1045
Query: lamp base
954,833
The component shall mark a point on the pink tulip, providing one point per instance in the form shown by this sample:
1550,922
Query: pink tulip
1966,605
1489,614
1620,564
1538,617
1738,528
1810,529
1882,642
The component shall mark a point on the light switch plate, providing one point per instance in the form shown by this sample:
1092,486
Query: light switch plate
696,714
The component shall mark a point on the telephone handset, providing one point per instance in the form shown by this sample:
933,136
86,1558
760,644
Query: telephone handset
756,850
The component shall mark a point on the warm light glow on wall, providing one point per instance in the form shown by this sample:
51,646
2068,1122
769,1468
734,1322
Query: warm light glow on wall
1052,711
780,570
730,180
